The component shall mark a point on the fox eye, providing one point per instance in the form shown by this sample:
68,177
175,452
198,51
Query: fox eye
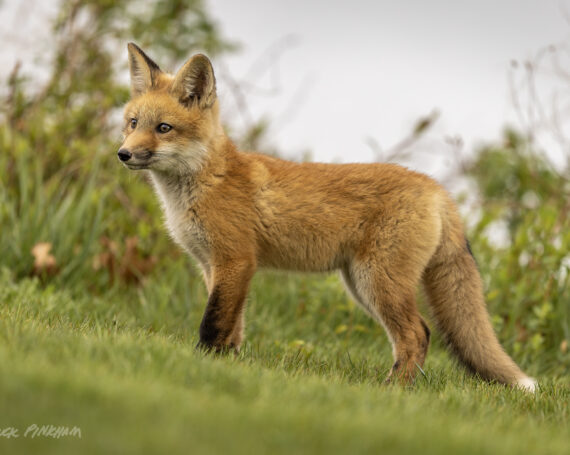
163,128
133,123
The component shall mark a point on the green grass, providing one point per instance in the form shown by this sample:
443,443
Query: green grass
122,367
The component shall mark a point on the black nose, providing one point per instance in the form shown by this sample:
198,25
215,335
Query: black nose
124,155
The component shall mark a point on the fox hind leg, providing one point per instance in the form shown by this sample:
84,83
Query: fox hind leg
236,337
393,305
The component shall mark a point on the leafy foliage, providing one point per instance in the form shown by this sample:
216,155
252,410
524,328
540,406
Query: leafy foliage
57,142
527,274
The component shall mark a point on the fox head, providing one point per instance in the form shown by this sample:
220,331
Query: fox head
171,121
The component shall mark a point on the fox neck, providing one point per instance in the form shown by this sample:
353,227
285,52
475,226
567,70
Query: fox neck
176,189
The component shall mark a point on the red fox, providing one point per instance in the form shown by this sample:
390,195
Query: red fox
385,228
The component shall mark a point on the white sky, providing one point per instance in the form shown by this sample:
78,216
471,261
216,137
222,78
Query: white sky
368,69
353,70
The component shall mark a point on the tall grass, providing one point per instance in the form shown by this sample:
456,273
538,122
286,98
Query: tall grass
60,210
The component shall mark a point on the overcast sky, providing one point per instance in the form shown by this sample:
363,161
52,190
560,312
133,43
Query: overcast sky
359,69
347,72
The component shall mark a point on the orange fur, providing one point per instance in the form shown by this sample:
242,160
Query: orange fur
387,229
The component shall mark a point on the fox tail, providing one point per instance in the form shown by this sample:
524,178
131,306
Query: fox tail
455,294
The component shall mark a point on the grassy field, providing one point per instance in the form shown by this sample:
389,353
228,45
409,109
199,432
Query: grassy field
121,366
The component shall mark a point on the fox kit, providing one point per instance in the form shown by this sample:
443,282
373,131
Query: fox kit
385,228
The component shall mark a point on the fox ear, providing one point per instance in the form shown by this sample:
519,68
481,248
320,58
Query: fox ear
143,70
195,82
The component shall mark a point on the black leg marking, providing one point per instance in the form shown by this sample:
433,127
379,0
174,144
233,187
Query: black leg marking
209,330
426,330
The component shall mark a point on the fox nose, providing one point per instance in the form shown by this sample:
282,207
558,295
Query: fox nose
124,155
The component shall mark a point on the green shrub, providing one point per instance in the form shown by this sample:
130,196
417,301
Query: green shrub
527,272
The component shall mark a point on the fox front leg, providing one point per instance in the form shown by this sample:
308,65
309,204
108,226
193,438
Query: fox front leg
222,324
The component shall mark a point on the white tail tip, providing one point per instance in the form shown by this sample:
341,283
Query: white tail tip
527,384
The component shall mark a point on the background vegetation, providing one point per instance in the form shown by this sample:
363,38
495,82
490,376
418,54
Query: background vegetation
99,310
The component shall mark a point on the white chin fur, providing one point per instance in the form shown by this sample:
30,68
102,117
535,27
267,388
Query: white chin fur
527,384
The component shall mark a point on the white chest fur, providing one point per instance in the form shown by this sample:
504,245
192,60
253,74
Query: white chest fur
177,197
